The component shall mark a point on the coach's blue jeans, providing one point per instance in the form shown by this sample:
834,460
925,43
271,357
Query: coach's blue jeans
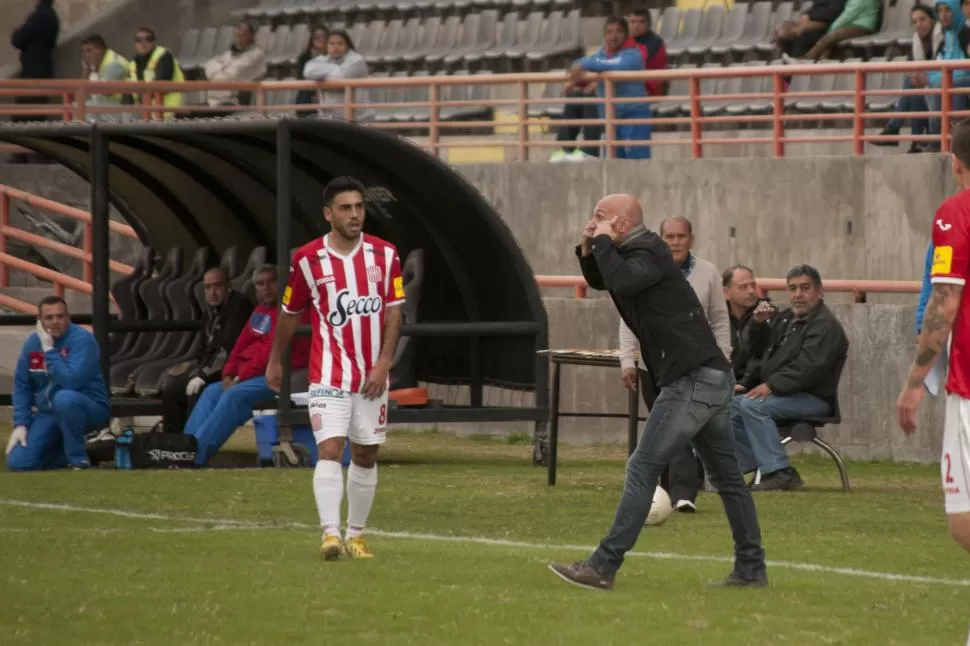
56,439
910,103
219,412
694,407
756,439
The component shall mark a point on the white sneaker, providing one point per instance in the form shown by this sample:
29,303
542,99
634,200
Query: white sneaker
558,155
685,506
578,156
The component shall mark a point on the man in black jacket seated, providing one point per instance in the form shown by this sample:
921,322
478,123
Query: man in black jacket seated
658,304
797,376
226,313
749,320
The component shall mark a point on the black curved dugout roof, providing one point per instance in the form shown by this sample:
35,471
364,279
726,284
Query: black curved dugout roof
213,183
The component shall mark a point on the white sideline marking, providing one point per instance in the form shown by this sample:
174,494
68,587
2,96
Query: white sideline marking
222,524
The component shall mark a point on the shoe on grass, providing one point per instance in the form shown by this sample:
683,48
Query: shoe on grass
582,574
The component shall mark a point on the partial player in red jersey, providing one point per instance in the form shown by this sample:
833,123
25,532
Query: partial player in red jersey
352,283
947,320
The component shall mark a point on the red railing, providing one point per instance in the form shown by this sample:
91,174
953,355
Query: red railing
859,288
60,280
72,103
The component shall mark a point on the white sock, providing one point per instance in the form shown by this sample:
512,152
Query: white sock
328,489
361,486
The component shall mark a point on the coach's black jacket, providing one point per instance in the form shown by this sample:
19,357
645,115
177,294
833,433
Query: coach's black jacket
805,359
221,328
748,342
655,301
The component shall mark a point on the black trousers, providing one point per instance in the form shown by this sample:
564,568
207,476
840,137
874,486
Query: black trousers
591,134
798,46
684,475
175,403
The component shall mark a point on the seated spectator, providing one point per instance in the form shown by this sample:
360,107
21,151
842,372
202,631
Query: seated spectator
927,39
592,132
59,395
102,64
225,315
796,377
226,405
683,476
152,62
243,61
341,62
316,47
797,37
859,18
620,53
656,51
956,40
749,321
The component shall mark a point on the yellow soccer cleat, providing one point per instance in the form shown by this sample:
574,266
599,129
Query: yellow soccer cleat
331,547
356,548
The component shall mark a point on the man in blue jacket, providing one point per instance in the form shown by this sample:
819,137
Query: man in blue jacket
59,394
620,54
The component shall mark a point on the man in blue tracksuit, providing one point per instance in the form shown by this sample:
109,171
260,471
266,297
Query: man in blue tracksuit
620,54
59,394
956,40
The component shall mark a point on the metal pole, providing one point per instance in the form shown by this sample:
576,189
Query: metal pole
553,453
100,296
283,261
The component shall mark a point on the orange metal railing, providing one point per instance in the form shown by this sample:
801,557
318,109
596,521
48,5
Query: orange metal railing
60,280
859,288
71,102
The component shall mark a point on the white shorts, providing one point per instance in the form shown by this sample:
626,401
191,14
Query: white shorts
341,413
955,461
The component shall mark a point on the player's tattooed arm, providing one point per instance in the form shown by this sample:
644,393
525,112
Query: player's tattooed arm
937,323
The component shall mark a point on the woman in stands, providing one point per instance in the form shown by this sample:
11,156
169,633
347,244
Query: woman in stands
859,18
341,62
317,46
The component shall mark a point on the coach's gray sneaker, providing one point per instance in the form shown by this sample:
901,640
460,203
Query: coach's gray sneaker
735,580
582,574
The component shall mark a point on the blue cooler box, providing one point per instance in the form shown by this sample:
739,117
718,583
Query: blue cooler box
267,436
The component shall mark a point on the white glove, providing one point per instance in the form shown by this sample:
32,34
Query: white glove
194,386
19,436
46,340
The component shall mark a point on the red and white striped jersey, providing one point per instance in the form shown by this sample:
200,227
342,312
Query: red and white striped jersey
349,295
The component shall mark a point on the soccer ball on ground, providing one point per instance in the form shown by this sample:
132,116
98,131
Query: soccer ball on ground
661,508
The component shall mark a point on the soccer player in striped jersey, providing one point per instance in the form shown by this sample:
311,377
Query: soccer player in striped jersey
353,283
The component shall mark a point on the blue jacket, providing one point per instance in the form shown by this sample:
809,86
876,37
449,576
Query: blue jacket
628,59
955,41
925,289
74,364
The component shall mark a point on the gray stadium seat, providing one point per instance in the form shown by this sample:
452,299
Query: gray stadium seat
444,43
224,39
414,94
506,38
189,44
567,41
732,30
690,28
784,11
477,34
371,37
678,87
710,30
669,24
130,307
276,54
529,37
806,83
725,85
424,44
885,81
843,83
555,92
751,85
244,281
756,29
400,40
296,43
393,94
204,50
385,43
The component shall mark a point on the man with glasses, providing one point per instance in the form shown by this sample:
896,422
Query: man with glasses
152,62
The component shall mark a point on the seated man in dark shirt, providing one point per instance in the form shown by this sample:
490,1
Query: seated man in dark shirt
797,376
796,37
749,317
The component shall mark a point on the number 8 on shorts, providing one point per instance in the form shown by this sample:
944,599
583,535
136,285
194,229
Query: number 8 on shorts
341,413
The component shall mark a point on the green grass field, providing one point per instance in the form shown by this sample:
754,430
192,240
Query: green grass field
229,556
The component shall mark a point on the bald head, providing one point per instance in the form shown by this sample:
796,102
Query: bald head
622,209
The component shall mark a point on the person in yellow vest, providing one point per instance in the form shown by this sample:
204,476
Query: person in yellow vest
153,62
99,63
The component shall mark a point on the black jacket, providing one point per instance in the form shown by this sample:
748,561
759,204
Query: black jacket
655,301
221,328
164,71
826,10
36,40
809,359
748,342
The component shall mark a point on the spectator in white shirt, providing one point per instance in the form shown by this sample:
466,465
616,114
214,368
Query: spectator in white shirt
243,61
341,62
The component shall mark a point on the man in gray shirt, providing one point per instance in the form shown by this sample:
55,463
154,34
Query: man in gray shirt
99,63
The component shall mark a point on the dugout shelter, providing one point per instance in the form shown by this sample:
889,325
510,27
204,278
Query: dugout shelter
202,189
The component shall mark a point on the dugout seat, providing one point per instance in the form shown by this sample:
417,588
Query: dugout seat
129,306
244,281
806,430
151,292
178,293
